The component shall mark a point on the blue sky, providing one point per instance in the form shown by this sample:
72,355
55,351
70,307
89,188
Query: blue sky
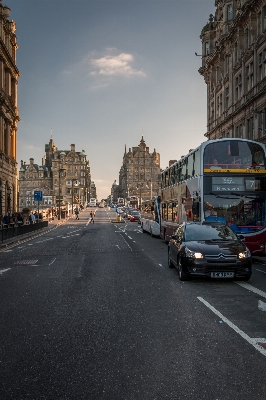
101,74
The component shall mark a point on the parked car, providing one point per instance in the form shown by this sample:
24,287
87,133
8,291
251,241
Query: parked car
134,216
209,250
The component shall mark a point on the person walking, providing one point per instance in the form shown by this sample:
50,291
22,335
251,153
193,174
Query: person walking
92,216
77,213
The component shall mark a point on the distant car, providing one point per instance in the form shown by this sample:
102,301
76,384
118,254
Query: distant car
134,216
130,211
209,250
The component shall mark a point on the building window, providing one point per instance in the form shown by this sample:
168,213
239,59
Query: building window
229,12
249,76
264,18
219,104
207,48
262,64
227,64
251,128
238,88
236,52
227,97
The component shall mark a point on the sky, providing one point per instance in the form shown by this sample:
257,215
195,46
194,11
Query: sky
103,73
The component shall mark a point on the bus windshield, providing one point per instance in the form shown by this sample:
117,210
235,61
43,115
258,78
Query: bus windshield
233,154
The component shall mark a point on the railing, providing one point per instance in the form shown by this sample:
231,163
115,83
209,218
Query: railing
12,230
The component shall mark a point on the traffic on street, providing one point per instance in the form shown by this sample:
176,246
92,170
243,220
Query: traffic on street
93,311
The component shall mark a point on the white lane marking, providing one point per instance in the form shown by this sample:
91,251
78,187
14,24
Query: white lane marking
126,242
129,237
117,246
52,261
257,340
264,272
261,305
4,270
25,262
251,288
234,327
7,251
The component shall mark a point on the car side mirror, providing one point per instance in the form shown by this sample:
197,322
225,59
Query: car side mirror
241,237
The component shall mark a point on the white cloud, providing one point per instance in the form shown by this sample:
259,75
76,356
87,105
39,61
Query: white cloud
115,65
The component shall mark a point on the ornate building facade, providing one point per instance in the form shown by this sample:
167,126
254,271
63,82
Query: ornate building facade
64,179
34,177
8,112
234,69
140,173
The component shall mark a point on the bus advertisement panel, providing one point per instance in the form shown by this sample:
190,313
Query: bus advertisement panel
223,181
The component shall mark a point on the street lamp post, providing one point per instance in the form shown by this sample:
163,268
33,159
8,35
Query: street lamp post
149,185
1,198
8,191
59,203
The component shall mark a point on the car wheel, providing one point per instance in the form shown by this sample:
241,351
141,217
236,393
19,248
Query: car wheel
170,264
181,274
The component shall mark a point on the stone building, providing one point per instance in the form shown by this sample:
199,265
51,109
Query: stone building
92,191
70,174
140,172
234,69
34,177
62,171
8,112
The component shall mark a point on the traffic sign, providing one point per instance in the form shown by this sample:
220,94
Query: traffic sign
37,195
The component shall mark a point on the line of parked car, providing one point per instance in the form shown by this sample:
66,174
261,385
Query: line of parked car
129,213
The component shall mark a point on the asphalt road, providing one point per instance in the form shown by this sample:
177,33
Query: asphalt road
92,311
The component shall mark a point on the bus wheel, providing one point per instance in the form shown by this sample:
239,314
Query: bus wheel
170,264
181,274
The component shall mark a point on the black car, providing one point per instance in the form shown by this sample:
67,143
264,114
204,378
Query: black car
209,250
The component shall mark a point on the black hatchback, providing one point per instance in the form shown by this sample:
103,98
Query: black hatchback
208,250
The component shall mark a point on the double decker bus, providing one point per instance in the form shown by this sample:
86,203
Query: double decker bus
92,202
222,180
133,202
150,216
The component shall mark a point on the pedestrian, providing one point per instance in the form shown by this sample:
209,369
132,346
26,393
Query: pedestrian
92,216
32,218
6,219
77,213
20,219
